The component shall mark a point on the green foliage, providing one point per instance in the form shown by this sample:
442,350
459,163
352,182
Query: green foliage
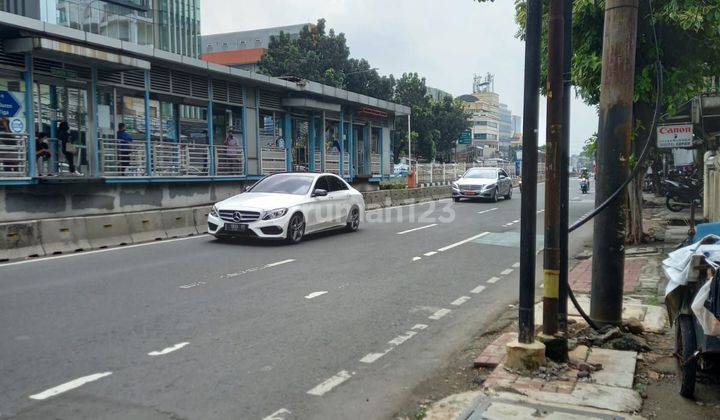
689,48
323,56
590,148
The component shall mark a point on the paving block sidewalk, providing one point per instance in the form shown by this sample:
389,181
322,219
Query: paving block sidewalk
607,394
580,277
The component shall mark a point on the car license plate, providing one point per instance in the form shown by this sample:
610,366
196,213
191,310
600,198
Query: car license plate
469,193
235,227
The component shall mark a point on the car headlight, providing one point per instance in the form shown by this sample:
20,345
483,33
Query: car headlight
490,186
454,185
214,212
274,214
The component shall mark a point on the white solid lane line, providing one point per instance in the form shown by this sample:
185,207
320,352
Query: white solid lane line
493,279
430,254
67,386
487,211
416,229
275,264
278,415
419,327
477,289
315,294
464,241
506,272
330,383
100,251
459,301
439,314
167,350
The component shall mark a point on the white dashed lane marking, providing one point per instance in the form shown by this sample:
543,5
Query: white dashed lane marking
191,285
281,414
315,294
430,254
373,357
439,314
506,272
477,289
167,350
67,386
493,279
464,241
516,265
416,229
459,301
330,383
487,211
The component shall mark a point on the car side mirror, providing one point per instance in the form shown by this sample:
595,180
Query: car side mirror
502,177
319,193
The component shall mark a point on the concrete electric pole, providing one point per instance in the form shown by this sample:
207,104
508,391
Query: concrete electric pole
614,149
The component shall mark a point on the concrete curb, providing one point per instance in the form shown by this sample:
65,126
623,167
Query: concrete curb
146,226
20,240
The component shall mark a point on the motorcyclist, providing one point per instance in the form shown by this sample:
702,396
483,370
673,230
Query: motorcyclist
584,173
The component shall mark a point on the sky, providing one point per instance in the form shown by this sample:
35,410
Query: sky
445,41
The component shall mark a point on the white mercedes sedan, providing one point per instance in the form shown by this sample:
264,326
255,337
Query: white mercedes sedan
288,206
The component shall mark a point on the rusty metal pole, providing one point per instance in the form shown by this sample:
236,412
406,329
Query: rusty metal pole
614,148
553,162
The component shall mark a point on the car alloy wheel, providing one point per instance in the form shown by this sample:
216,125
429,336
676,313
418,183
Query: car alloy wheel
353,220
296,228
494,198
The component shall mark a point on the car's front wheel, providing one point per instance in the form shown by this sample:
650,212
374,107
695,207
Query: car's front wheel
494,197
296,229
353,220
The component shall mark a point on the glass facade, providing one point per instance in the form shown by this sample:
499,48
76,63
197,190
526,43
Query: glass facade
170,25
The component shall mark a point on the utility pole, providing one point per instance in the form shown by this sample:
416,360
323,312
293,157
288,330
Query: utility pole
528,203
564,165
526,353
556,347
614,136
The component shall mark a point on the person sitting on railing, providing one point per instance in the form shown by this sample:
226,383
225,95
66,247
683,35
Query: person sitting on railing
123,148
42,154
68,149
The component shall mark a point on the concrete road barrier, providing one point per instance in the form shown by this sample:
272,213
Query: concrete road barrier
200,215
179,222
60,236
146,226
108,230
20,240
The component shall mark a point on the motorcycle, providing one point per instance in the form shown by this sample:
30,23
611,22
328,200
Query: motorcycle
679,195
584,185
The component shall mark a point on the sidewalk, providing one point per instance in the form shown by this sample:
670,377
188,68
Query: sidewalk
608,373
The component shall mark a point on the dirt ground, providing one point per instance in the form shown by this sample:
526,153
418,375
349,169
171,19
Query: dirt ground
656,380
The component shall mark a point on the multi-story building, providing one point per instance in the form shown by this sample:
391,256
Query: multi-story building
492,121
197,130
244,49
437,94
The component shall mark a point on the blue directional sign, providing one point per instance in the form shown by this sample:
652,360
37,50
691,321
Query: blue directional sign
9,106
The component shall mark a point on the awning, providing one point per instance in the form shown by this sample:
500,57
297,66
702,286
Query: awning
64,51
310,104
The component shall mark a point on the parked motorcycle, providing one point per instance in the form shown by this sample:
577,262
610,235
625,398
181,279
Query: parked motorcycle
679,195
584,185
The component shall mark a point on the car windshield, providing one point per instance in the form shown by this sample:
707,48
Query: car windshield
481,173
284,184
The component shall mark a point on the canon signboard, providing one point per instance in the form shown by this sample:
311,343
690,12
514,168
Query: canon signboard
675,136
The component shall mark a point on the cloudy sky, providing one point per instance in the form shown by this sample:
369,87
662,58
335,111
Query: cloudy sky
446,41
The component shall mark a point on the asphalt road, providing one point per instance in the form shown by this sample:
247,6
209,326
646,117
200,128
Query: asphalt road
343,325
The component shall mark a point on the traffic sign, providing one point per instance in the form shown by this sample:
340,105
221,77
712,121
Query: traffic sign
465,137
9,106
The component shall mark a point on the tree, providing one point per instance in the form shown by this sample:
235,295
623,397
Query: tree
450,121
324,57
590,148
689,49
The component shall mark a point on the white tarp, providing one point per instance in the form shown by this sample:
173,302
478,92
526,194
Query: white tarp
678,267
